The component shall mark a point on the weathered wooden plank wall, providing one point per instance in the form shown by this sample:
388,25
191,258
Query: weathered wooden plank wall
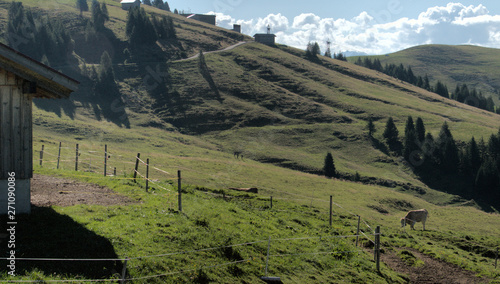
16,132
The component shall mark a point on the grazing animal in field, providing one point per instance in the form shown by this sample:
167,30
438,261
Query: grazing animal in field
237,154
413,217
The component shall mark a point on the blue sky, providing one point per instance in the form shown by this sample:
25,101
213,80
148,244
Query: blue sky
373,27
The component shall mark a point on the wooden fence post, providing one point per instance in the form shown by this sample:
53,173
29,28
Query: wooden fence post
179,188
377,247
105,158
76,159
136,165
124,271
147,174
59,155
331,209
267,257
357,231
496,259
41,155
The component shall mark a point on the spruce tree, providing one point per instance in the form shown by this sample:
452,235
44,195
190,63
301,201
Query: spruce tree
410,126
429,154
139,28
427,85
82,6
448,151
441,89
104,11
420,130
98,18
410,139
472,158
370,127
329,166
106,86
391,134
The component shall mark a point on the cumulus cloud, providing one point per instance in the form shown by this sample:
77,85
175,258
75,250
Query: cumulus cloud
454,23
277,22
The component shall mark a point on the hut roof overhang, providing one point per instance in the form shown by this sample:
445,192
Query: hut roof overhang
45,81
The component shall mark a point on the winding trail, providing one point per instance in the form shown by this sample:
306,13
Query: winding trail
214,51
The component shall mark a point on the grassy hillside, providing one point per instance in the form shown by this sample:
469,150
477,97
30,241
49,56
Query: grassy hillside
278,107
283,113
473,65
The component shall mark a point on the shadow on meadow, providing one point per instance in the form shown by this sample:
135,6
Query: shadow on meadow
47,234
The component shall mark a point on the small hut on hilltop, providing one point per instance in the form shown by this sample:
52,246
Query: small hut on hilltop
268,38
128,4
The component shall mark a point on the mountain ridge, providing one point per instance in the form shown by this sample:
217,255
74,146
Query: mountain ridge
472,65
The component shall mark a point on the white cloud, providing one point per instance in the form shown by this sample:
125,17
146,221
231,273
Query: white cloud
454,23
306,21
277,22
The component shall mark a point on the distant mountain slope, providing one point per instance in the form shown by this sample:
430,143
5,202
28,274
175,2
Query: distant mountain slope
478,67
276,106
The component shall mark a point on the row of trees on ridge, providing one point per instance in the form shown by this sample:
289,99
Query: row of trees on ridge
462,93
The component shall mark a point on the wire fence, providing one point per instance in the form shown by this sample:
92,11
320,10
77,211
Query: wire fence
102,160
84,159
128,261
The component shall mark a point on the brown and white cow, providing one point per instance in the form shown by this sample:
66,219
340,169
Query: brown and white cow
414,216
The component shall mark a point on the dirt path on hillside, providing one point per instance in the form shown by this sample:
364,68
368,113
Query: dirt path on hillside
221,50
433,270
48,191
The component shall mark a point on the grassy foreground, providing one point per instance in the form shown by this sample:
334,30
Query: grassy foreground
218,239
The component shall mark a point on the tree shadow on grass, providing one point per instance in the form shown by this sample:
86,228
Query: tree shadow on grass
47,234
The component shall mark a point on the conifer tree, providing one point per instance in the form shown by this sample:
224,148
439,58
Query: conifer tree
472,158
329,166
370,127
99,17
427,85
448,151
420,130
391,134
82,6
410,126
429,153
139,28
410,139
104,10
312,50
106,86
441,89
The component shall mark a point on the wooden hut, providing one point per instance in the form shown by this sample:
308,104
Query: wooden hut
21,80
268,38
128,4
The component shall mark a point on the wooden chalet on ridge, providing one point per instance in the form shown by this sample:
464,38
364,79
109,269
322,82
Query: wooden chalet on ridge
21,80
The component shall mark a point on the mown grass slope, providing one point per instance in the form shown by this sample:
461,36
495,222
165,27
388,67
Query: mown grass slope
278,107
